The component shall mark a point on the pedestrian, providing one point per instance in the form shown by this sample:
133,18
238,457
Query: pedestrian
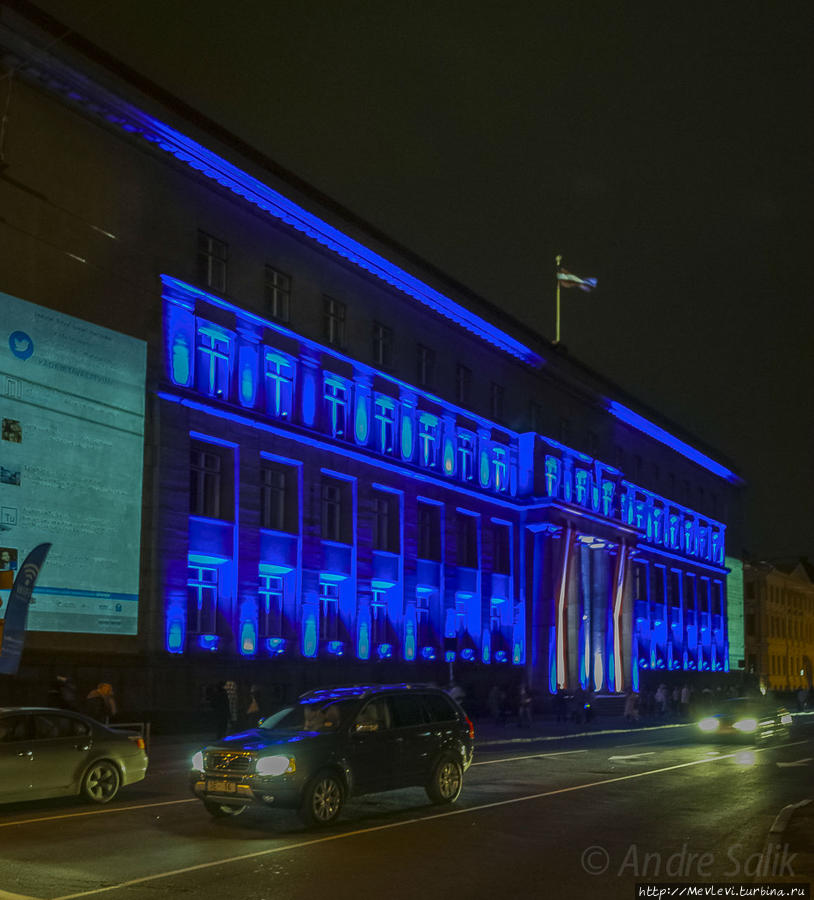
631,707
455,691
62,693
524,712
219,701
230,688
101,703
661,699
686,699
801,699
495,702
561,705
256,710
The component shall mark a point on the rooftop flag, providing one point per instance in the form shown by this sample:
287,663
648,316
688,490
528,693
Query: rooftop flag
567,279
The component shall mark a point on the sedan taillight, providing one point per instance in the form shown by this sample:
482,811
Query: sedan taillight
139,742
471,728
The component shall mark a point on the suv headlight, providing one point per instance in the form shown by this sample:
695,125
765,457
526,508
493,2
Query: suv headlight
275,765
197,762
710,723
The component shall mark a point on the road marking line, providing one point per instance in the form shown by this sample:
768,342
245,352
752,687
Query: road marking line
96,812
799,762
7,895
782,820
632,755
374,828
491,762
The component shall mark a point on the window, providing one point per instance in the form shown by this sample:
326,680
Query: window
13,728
428,440
429,531
386,524
466,456
385,415
426,366
206,482
382,345
500,469
407,710
202,594
495,620
211,262
279,372
213,351
271,591
336,512
463,384
378,617
278,294
279,500
467,534
336,405
48,727
329,609
502,558
496,394
334,321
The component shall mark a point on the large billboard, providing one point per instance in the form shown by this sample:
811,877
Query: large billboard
71,457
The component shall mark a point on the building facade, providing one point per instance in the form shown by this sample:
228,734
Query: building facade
779,613
354,468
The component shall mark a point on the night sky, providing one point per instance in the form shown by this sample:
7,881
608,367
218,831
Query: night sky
664,148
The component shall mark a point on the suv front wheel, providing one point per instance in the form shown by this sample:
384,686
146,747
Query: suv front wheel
322,799
446,782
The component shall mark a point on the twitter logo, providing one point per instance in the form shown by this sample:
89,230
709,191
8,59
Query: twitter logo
21,345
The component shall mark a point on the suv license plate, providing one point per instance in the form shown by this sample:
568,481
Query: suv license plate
222,787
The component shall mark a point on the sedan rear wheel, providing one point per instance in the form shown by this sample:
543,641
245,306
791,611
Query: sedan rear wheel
446,782
102,782
322,800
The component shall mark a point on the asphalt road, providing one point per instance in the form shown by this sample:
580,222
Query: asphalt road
577,818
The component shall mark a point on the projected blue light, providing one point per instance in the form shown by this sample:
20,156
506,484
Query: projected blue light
468,654
501,656
385,651
649,428
275,645
175,635
428,652
336,648
449,656
310,633
248,639
209,641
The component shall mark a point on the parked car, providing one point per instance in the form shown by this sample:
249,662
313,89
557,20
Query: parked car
335,743
745,718
55,752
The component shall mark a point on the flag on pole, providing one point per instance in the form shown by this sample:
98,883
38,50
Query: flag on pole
567,279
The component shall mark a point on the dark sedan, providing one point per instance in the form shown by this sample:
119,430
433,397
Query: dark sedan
745,718
55,753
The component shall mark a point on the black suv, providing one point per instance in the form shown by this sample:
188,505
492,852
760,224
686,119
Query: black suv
337,742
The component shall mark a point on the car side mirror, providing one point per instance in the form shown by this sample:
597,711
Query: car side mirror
365,727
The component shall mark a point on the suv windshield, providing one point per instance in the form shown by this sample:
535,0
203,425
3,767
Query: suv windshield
318,715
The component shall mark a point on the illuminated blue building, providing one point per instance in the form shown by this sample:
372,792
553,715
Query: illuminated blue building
354,467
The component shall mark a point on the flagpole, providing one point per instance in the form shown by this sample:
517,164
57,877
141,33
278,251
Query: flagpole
558,260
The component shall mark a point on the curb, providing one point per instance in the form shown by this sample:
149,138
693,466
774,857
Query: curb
783,818
578,734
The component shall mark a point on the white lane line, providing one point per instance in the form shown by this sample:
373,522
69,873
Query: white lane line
799,762
782,820
491,762
632,755
96,812
374,828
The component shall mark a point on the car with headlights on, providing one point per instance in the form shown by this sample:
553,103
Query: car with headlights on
747,719
47,752
335,743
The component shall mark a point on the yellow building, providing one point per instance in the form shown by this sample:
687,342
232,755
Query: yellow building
779,613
